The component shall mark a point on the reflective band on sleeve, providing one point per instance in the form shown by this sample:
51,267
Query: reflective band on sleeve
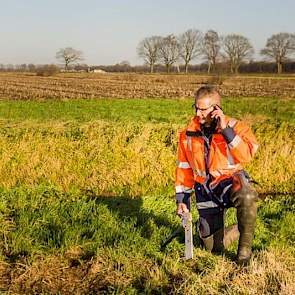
206,205
230,159
232,122
183,189
255,147
184,165
189,145
234,143
192,165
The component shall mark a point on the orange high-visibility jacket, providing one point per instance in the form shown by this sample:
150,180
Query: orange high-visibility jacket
227,154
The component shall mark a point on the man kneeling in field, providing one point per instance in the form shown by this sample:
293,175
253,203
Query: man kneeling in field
211,153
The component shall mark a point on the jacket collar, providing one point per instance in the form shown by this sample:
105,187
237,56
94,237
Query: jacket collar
194,124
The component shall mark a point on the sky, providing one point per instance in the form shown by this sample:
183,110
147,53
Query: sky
108,32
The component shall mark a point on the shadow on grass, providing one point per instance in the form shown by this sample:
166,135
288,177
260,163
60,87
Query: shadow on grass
59,222
128,208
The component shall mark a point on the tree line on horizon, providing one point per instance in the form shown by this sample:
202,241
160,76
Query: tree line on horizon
219,54
213,49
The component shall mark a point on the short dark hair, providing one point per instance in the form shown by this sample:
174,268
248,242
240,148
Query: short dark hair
206,90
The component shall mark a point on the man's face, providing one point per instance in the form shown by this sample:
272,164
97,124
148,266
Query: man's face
205,107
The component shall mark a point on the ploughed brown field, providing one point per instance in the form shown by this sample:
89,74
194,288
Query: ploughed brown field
131,85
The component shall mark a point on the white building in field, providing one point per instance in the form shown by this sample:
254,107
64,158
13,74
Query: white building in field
97,71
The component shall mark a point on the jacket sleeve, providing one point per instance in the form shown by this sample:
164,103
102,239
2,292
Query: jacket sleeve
184,181
241,142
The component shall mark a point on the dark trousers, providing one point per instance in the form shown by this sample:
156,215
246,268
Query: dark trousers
212,209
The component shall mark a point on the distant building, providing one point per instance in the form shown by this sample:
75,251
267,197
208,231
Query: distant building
96,71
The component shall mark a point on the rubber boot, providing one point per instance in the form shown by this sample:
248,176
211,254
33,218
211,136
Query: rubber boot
246,222
221,239
244,199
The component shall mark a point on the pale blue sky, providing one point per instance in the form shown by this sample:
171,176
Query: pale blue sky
31,31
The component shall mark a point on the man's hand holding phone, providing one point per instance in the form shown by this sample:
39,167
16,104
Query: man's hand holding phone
218,114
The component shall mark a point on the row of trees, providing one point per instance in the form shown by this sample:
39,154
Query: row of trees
192,44
178,52
124,66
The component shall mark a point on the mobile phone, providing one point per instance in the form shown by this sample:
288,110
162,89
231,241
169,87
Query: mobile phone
215,120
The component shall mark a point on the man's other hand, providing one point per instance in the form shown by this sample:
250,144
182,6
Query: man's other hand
181,208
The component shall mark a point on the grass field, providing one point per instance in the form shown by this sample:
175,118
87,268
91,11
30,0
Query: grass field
87,197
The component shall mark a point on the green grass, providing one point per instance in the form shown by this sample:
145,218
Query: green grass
50,221
139,110
87,199
125,235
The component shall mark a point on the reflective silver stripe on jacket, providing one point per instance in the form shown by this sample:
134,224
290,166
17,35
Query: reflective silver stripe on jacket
184,165
206,205
235,142
190,149
230,159
225,190
255,147
183,189
232,122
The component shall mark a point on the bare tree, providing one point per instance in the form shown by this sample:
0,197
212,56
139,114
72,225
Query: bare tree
69,55
237,49
31,68
279,47
169,51
148,49
210,49
190,43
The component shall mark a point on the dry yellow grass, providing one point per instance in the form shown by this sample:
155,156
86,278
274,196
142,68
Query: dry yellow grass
104,156
271,272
